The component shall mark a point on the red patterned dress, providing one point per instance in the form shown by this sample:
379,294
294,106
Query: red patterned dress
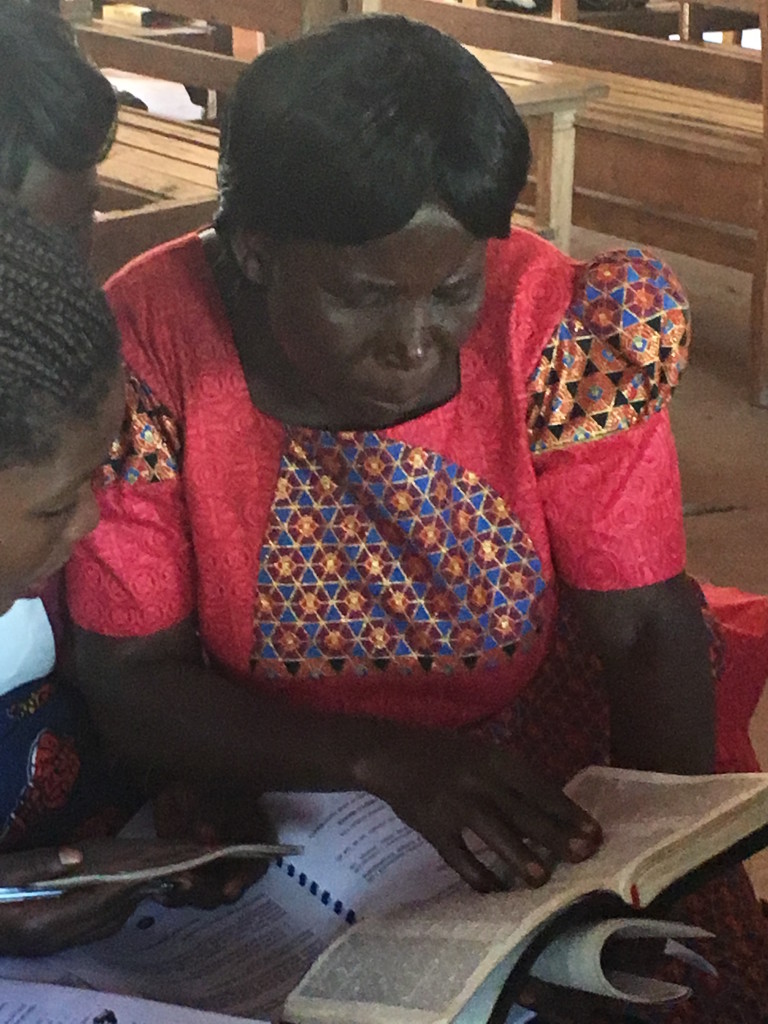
410,572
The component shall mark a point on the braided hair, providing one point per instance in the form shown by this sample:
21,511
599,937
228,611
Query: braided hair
59,347
54,104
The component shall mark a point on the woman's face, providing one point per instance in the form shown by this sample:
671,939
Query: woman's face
374,331
45,508
64,199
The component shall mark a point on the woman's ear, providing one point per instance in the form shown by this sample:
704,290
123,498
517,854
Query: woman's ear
251,251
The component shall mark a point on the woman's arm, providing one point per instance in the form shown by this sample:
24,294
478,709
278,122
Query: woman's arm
654,644
161,710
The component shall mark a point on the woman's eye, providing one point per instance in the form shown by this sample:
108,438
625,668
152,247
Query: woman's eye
58,513
362,298
458,292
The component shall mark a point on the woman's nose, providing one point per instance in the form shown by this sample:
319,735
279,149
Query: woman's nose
411,340
87,518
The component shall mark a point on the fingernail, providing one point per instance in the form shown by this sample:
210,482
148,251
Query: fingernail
68,856
536,872
526,998
581,847
233,891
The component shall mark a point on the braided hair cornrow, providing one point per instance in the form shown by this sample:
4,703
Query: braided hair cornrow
59,347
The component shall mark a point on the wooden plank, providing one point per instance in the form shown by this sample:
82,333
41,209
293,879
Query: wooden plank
118,237
160,60
277,19
658,175
281,18
203,134
718,69
742,6
758,339
534,99
153,175
176,150
706,240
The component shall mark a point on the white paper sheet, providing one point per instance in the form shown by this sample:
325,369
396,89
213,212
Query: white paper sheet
29,1003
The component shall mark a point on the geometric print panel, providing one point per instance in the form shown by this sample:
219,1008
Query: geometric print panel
379,553
148,447
615,357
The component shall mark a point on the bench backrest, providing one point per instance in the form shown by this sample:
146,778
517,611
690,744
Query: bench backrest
722,70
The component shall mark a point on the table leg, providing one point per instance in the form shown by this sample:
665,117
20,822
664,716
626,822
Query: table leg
565,10
554,153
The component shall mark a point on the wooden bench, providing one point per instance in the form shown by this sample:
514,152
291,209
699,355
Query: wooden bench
661,164
158,181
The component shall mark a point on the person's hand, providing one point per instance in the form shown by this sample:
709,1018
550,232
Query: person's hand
212,819
43,926
446,785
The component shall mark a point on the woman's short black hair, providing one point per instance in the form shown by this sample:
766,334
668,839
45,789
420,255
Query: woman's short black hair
59,347
54,104
342,135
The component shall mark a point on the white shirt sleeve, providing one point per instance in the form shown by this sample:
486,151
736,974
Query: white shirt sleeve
27,646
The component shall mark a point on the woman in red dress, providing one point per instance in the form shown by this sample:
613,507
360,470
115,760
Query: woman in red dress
395,482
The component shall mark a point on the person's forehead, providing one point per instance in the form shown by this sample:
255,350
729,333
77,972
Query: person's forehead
432,231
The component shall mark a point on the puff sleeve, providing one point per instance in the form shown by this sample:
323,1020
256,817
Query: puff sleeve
599,428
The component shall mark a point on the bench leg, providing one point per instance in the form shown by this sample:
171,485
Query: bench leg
758,348
554,151
692,22
565,10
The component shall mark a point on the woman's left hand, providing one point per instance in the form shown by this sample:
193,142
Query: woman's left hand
213,819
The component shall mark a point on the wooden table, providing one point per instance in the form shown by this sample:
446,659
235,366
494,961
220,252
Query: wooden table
550,110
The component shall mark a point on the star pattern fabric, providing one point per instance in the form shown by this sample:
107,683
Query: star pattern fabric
616,355
380,552
148,447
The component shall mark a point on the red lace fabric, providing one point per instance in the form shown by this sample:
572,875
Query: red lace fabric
190,490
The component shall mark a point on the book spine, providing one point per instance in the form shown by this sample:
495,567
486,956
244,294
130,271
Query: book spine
314,889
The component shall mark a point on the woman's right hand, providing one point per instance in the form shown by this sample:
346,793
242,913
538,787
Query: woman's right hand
446,785
43,926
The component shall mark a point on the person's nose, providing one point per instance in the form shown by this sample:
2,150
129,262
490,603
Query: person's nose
412,338
87,518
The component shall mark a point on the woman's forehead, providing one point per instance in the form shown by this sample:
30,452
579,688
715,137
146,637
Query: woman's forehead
432,234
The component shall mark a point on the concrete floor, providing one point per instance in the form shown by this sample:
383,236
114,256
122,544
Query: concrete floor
722,444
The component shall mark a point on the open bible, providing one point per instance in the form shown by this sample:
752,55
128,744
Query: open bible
369,924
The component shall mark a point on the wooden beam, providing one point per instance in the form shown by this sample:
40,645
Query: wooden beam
160,60
281,19
712,241
758,342
716,69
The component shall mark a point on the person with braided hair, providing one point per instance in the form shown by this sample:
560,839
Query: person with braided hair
57,119
61,404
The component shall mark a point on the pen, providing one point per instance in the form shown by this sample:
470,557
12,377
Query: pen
11,894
